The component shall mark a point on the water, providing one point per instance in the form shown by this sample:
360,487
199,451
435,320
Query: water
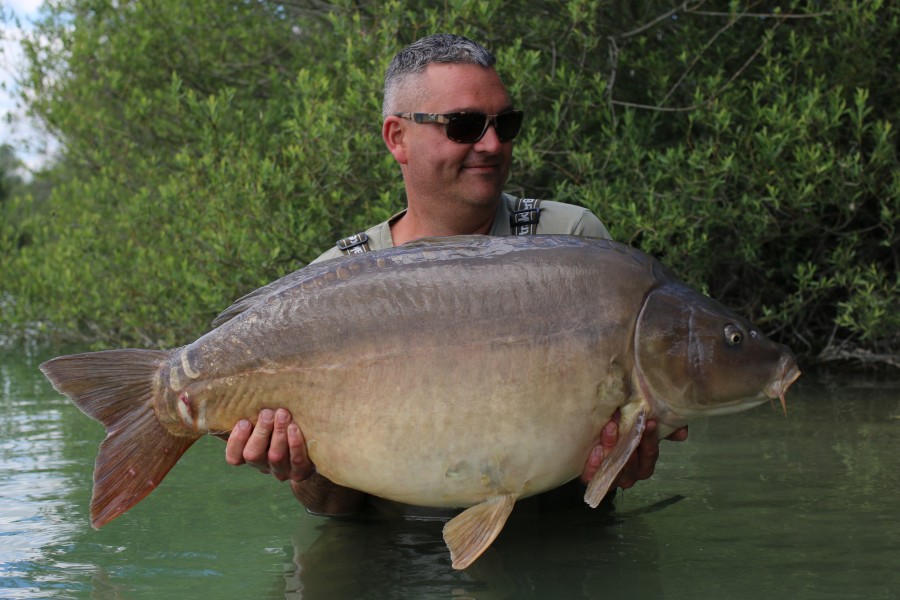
752,506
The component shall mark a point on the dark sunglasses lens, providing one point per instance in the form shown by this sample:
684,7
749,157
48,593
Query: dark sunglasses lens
465,128
508,125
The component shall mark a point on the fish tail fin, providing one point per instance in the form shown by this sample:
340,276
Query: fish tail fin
115,387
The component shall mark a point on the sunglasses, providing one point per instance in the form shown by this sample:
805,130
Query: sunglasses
469,127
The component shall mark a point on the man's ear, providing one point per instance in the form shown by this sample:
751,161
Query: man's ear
392,131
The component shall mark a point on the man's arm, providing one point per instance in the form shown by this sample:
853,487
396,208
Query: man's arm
323,497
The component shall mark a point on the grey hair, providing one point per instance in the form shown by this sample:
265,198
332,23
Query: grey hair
436,48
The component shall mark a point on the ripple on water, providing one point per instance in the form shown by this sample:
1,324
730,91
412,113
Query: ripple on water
35,491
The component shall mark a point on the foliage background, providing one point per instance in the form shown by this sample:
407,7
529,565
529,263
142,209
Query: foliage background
210,147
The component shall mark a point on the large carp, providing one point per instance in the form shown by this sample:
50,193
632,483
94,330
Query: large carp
457,372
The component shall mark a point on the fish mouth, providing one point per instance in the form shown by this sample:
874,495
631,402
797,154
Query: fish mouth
779,386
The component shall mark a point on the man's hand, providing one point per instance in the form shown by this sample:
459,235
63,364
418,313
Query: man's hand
275,445
642,462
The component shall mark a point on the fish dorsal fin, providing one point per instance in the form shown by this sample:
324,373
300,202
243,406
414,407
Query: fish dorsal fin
630,432
249,300
242,304
470,533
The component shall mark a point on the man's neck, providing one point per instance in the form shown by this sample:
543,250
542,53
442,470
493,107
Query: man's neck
415,224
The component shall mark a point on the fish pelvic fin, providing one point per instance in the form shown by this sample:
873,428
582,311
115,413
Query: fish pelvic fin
630,432
115,387
469,533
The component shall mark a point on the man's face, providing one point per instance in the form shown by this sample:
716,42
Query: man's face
438,169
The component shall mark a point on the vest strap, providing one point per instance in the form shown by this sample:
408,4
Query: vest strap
525,215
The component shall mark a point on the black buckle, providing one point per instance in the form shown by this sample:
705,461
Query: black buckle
529,216
355,244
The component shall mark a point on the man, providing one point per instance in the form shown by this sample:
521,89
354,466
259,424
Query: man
450,123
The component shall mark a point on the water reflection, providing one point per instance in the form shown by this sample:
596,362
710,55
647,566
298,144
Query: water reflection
579,553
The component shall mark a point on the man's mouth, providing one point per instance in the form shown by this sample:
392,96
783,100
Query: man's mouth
482,167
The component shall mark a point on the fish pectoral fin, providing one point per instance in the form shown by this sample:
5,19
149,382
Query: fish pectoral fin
630,432
469,534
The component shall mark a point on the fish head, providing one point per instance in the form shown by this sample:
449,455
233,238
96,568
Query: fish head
696,357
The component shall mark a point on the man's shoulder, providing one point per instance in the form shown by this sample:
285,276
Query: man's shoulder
562,218
571,211
376,238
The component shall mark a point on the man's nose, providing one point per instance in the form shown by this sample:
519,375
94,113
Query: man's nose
489,142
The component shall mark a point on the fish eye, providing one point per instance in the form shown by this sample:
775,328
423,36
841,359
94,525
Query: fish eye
733,335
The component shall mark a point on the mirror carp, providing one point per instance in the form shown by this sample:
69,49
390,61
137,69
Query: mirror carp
452,372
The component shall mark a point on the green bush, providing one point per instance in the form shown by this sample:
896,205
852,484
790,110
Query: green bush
211,147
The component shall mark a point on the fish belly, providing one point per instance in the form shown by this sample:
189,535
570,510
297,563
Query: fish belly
439,434
435,425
